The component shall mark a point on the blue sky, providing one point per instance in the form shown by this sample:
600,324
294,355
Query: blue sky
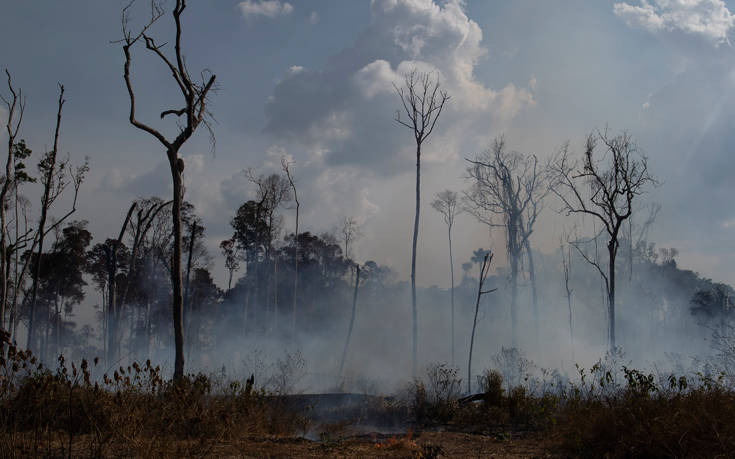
313,80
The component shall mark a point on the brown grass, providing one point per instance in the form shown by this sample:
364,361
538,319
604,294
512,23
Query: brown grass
135,412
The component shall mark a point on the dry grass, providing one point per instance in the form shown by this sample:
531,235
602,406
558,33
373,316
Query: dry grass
133,412
73,412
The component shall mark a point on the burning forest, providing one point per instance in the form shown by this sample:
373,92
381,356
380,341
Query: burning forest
388,229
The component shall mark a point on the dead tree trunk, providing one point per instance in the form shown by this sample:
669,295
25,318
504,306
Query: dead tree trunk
566,258
352,324
481,280
12,126
113,309
451,269
534,293
414,311
45,203
194,111
286,168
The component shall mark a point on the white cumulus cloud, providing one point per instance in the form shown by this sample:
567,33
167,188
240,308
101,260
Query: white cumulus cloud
709,19
267,8
333,110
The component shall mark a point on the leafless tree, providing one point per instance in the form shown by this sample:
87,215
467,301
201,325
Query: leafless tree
349,233
286,166
16,101
446,204
484,269
604,186
54,179
422,102
507,191
194,110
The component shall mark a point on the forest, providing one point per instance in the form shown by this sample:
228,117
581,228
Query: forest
563,350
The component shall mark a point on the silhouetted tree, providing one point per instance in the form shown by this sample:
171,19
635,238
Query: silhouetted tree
423,103
54,179
604,187
194,110
286,166
12,126
487,258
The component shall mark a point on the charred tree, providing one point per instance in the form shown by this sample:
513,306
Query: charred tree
285,165
12,126
194,95
422,102
484,268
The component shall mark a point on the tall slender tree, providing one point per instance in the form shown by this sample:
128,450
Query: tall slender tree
15,107
53,175
487,259
423,102
286,166
446,204
194,111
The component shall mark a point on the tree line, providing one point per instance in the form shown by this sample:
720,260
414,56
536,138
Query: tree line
158,259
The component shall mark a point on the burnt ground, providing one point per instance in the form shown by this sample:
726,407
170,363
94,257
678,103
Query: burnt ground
356,425
418,445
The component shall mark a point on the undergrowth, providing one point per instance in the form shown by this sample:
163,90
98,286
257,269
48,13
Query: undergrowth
76,411
610,410
604,414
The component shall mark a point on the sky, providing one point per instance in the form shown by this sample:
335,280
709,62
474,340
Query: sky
313,81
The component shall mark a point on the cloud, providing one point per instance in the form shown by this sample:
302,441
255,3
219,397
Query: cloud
709,19
314,18
342,114
267,8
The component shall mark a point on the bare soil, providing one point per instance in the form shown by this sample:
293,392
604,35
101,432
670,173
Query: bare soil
410,445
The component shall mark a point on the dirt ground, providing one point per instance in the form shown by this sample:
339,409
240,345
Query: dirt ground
412,445
420,445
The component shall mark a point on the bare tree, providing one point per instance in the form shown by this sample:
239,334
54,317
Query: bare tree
446,204
484,269
422,102
286,166
604,187
12,126
55,181
507,191
194,96
349,232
